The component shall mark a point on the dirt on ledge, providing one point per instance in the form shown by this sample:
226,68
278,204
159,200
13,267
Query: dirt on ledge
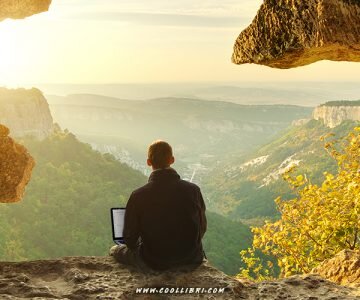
103,278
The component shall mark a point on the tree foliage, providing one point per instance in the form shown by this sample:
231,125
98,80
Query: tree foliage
321,221
66,207
342,103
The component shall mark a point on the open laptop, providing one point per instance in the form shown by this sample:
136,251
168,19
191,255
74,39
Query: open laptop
117,221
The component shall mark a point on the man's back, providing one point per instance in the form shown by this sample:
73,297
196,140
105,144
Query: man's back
169,215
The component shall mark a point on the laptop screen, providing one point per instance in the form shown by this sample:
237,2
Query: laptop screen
117,217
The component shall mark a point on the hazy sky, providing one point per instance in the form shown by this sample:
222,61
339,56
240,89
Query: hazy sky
142,41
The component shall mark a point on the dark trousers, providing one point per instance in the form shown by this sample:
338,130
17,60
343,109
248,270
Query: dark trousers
124,255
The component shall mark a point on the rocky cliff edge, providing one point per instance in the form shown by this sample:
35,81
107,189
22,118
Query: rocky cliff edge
25,112
103,278
333,116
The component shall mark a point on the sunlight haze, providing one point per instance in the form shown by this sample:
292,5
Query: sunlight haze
140,42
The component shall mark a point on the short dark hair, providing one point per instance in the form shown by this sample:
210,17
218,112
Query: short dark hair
159,153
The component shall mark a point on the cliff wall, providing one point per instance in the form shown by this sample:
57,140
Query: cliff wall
25,112
333,116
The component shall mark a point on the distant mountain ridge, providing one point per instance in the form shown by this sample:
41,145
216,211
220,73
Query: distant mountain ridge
199,130
261,93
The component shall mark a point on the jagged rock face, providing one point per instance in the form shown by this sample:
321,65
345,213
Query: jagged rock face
25,112
16,165
292,33
343,269
103,278
16,9
333,116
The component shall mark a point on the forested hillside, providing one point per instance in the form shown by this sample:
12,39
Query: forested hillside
244,187
66,208
342,103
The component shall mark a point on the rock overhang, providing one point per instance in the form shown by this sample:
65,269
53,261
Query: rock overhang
292,33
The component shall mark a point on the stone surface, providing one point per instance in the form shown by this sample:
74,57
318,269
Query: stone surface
292,33
333,116
19,9
25,112
16,165
103,278
343,269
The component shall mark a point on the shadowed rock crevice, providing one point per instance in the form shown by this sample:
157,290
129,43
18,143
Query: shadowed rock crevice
287,34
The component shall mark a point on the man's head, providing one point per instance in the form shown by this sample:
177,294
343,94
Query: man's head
160,155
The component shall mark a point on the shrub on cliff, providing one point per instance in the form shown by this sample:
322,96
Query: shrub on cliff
321,221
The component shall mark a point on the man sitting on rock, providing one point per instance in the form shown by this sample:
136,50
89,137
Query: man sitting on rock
164,220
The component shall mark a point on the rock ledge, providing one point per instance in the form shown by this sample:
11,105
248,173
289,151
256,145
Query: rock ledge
103,278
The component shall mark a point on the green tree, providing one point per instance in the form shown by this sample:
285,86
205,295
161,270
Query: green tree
321,221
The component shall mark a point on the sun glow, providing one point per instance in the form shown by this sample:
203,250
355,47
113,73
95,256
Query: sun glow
14,54
123,41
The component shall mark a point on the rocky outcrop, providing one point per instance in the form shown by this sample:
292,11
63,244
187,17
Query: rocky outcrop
16,9
343,269
292,33
103,278
15,168
25,112
333,116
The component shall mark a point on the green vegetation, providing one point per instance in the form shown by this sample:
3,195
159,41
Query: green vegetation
320,222
223,241
66,208
249,193
342,103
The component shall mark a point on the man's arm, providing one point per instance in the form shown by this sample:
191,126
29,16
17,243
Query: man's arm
203,221
131,224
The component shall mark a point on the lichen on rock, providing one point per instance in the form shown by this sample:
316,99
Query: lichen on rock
292,33
16,165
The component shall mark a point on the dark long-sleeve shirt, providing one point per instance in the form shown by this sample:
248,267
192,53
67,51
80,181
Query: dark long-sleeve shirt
166,219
